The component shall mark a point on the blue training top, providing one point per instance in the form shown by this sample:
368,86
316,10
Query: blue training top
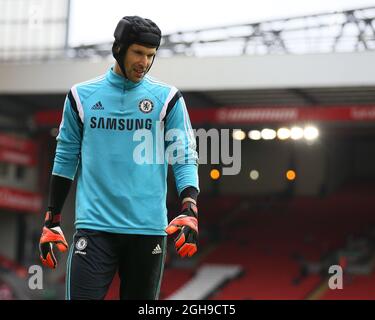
104,138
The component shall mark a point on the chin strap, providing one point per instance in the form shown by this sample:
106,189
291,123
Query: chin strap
119,54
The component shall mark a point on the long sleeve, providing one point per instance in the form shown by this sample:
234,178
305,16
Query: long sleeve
58,191
181,145
68,147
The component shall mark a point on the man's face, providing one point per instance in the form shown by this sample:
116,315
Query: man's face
138,59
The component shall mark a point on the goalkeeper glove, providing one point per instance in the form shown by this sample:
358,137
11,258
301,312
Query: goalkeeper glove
187,223
51,235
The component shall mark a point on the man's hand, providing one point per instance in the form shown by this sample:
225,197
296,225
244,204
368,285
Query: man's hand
51,235
187,223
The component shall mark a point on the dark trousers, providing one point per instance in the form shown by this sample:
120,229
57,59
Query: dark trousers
95,256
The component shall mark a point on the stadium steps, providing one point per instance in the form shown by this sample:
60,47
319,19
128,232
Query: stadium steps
207,279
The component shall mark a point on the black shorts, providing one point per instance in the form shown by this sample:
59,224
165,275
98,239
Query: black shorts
96,256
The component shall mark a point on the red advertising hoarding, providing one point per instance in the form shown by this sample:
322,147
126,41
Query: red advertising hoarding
18,200
17,150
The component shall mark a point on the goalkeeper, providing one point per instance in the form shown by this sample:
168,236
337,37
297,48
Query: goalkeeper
121,216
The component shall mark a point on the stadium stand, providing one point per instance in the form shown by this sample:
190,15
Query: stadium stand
274,247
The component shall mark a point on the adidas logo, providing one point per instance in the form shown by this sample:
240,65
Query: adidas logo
157,250
97,106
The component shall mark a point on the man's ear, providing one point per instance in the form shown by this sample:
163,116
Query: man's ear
118,48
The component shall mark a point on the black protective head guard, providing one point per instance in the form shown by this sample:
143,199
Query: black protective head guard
134,29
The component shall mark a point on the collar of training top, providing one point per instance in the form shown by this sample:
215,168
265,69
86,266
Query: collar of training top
121,82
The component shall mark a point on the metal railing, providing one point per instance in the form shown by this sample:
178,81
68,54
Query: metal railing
345,31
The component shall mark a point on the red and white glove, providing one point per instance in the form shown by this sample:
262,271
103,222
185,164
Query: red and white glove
187,222
51,235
